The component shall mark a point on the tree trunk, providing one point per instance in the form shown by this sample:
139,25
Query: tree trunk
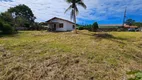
75,30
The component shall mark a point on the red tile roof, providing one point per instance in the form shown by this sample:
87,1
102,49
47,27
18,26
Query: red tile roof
128,26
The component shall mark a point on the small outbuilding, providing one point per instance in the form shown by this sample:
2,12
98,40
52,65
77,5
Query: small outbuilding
59,24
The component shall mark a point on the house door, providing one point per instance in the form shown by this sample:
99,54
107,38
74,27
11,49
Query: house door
73,26
54,27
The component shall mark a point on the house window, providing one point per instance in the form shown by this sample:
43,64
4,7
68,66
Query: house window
61,25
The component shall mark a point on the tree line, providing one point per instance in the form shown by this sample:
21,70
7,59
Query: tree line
20,16
91,27
132,22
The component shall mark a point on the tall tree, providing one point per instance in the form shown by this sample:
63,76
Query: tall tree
74,9
23,13
130,22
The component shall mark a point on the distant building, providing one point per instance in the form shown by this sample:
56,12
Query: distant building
58,24
128,26
109,27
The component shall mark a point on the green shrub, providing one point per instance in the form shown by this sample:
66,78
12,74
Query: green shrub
1,25
137,75
95,27
89,28
7,29
80,28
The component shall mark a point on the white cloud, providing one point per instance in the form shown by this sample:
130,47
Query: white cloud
96,9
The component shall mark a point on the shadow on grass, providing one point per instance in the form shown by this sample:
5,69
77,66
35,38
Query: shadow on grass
59,31
8,35
108,36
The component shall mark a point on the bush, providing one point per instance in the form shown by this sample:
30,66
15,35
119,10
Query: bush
95,27
89,28
7,29
1,25
80,28
135,75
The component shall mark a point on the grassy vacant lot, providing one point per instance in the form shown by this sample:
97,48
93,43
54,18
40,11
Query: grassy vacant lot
41,55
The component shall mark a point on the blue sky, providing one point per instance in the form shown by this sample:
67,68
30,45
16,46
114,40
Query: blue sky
101,11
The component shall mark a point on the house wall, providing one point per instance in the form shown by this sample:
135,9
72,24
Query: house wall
140,29
67,26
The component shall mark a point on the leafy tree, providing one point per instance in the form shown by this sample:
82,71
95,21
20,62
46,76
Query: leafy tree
6,23
74,9
6,17
139,24
23,18
6,28
1,25
95,27
23,13
130,22
21,21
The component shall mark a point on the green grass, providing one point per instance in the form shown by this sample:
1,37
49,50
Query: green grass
41,55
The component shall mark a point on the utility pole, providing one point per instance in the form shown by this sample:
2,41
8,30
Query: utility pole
124,17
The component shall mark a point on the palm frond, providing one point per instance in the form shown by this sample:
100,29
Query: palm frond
81,3
76,10
69,1
77,1
70,7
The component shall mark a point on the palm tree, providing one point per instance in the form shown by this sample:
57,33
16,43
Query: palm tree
74,9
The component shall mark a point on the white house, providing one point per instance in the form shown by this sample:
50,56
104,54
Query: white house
58,24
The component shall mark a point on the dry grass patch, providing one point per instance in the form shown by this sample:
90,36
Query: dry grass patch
35,55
